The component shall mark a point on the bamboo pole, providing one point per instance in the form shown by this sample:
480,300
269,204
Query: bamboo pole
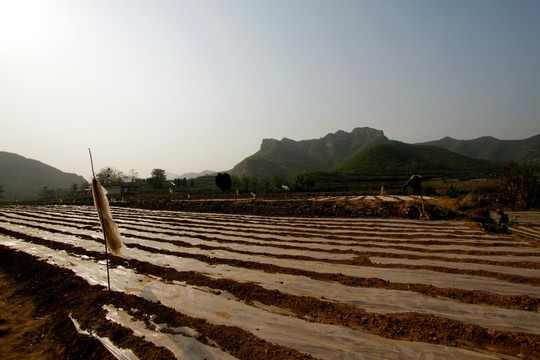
100,216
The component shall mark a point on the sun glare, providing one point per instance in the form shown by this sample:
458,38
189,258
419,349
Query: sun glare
27,25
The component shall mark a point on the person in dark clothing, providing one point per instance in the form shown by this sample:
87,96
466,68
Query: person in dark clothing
503,220
415,182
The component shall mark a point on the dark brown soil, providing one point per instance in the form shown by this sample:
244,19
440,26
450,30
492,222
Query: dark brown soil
54,293
270,206
36,299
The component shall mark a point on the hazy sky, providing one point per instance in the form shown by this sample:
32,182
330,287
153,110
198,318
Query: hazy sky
194,85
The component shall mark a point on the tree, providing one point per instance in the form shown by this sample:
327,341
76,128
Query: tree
255,183
452,191
279,182
302,183
530,176
46,193
223,181
510,183
133,175
74,189
520,184
158,178
181,182
245,182
236,183
84,186
111,176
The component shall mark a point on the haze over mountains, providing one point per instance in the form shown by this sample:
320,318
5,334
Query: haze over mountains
366,150
288,157
21,178
490,148
362,151
397,159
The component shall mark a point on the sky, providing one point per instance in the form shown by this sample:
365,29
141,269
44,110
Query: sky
187,86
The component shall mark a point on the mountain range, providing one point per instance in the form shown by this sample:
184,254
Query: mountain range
490,148
400,159
22,178
288,158
369,151
362,152
192,175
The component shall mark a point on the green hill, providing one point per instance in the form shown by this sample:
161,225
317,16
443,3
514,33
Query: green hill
490,148
289,158
394,157
22,178
393,162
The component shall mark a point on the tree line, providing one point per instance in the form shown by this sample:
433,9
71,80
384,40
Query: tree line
518,184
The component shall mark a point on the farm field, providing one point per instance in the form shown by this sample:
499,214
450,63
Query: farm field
221,286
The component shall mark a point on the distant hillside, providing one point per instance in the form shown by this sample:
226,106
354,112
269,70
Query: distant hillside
193,175
22,178
490,148
171,176
288,158
394,157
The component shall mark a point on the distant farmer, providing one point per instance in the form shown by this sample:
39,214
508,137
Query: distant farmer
503,220
415,182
